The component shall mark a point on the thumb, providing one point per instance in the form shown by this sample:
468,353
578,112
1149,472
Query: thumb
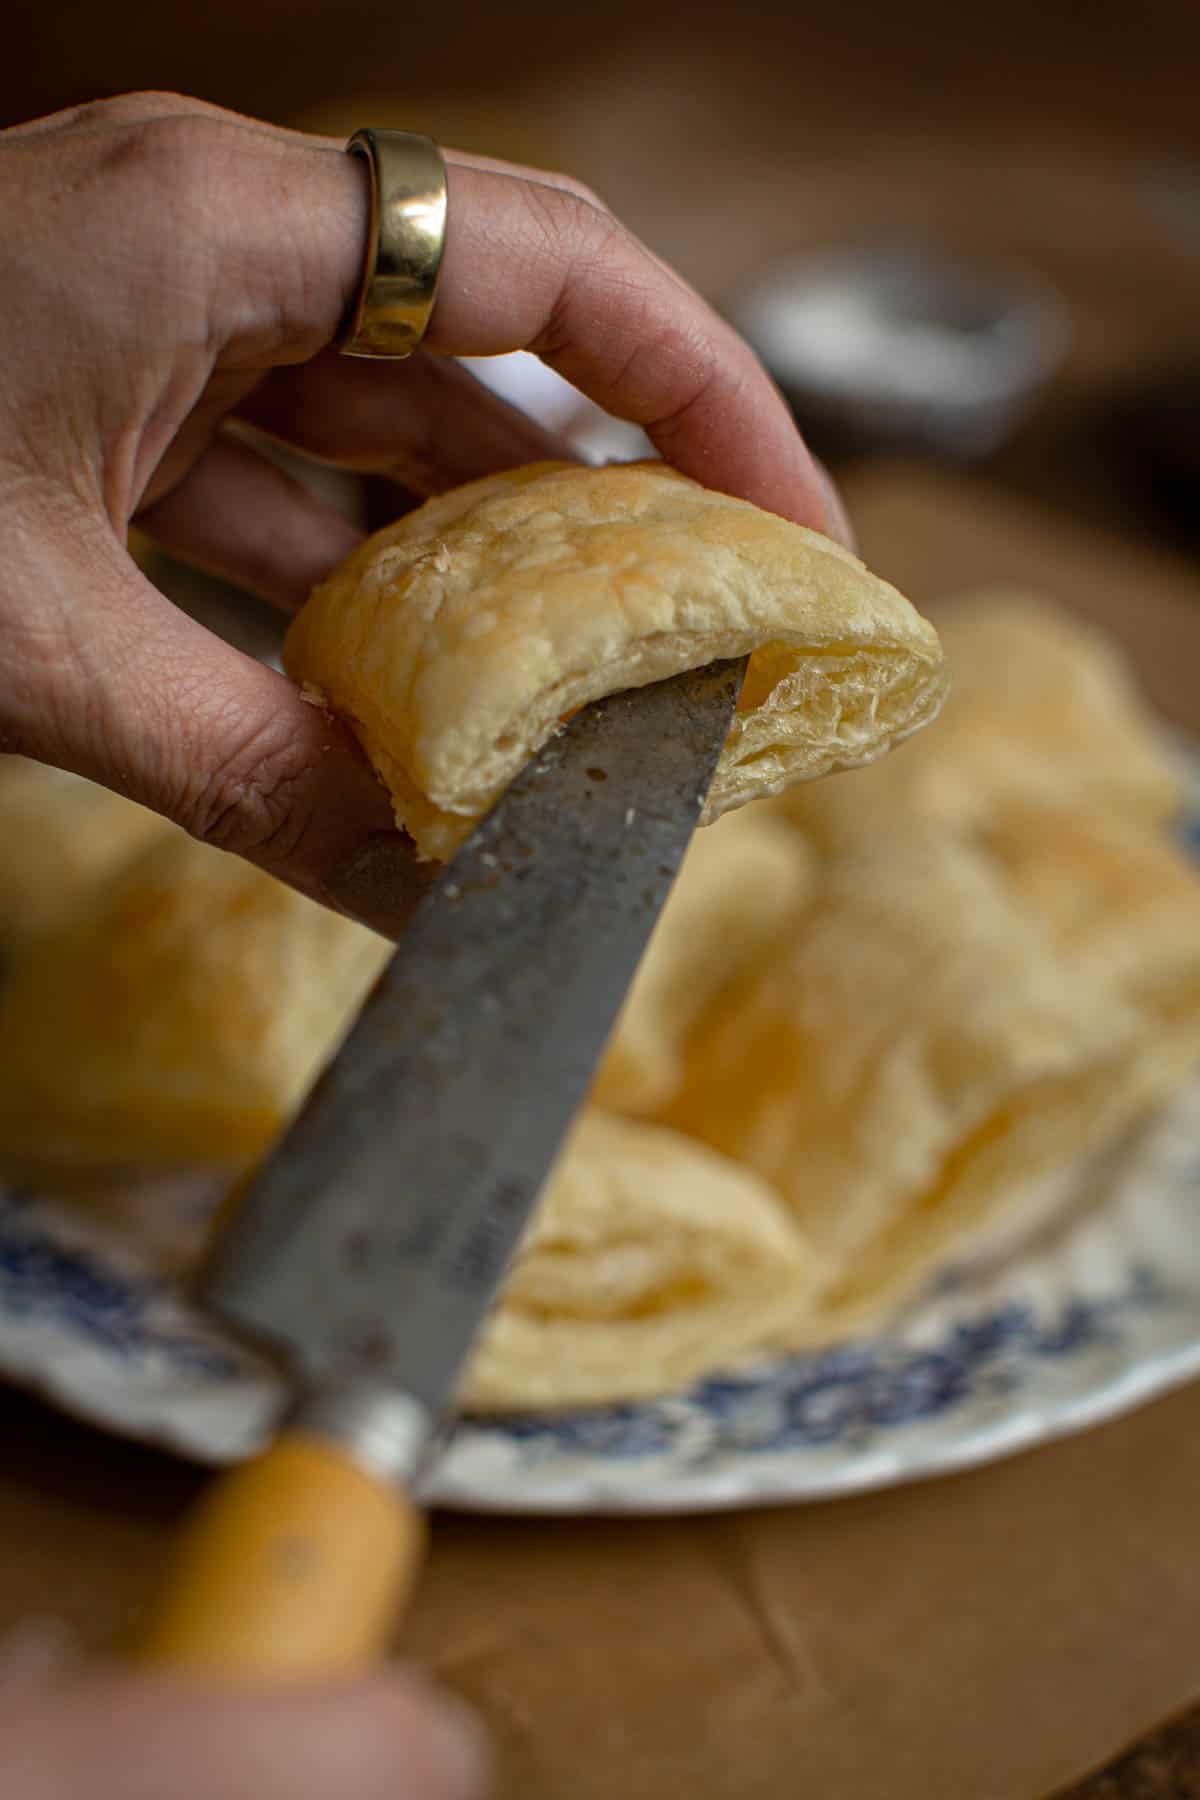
113,682
124,1738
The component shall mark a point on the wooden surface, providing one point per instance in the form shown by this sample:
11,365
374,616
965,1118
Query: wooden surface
1040,1615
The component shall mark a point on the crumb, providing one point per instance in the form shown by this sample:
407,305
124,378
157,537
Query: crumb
630,816
313,695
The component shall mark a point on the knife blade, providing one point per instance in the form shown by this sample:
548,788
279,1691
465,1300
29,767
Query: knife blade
368,1250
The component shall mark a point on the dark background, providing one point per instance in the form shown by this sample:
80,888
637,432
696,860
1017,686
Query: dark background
1097,67
1056,138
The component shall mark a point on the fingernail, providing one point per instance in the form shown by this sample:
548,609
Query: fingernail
837,524
381,883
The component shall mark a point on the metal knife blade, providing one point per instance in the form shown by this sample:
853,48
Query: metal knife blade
369,1248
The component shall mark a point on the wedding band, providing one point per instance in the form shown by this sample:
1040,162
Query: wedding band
405,239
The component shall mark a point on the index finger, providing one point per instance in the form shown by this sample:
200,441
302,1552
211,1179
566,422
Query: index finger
536,263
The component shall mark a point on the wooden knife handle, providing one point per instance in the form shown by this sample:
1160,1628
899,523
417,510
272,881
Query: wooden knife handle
297,1564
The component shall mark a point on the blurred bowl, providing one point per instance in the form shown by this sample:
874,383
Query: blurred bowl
899,347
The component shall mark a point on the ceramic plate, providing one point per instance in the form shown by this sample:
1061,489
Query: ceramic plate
1019,1346
1098,1314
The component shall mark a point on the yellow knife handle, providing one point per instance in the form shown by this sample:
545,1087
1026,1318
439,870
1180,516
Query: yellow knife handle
296,1564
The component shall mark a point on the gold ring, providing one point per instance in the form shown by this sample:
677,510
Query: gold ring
406,236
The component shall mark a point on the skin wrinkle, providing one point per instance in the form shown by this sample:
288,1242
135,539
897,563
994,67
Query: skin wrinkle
243,804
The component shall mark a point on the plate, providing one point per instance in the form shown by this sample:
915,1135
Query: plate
1098,1314
1022,1344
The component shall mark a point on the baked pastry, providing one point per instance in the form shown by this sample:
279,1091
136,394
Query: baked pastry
1000,1185
1122,906
64,834
742,883
918,1018
177,1019
457,639
1043,707
652,1261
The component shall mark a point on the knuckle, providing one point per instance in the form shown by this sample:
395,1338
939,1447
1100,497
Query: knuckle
133,108
587,196
175,150
570,221
169,165
171,162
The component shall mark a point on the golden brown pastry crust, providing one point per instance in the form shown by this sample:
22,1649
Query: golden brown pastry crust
1122,906
457,639
63,835
177,1019
918,1007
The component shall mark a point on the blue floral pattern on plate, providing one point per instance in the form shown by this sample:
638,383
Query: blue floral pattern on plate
1096,1315
1091,1317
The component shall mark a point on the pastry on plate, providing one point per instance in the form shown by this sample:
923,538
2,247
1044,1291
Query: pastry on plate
741,884
177,1019
651,1261
918,1033
63,834
1122,905
457,639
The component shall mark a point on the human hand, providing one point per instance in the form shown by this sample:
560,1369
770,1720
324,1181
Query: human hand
121,1738
170,268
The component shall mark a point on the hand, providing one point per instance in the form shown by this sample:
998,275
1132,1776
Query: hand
125,1739
169,268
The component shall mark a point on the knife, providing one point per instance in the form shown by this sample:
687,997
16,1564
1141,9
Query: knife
368,1249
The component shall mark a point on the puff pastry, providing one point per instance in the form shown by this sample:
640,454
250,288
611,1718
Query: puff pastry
1014,1172
1122,906
742,883
457,639
177,1019
64,834
1043,708
918,1012
652,1261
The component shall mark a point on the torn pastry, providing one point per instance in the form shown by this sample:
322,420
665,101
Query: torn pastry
741,885
177,1019
456,640
1043,707
652,1261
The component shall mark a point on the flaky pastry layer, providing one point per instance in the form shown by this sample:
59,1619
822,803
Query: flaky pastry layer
651,1261
456,640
